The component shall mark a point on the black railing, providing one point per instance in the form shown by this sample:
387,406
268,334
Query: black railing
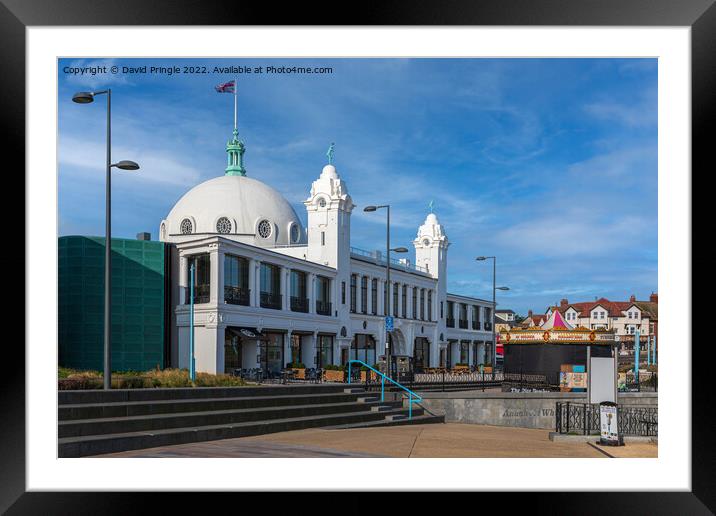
299,304
236,295
201,294
475,325
450,322
583,419
271,300
323,307
463,324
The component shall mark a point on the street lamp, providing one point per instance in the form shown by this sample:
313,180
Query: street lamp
388,311
494,304
87,97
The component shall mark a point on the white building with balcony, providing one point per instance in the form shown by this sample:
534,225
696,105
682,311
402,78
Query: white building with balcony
268,292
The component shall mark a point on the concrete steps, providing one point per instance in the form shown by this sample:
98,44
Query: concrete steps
100,422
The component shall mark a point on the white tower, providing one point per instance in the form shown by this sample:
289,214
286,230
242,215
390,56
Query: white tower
431,246
329,210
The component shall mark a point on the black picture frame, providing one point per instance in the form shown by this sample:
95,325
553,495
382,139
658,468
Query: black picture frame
699,15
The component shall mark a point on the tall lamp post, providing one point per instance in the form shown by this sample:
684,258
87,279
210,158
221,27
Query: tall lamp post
494,304
86,97
388,311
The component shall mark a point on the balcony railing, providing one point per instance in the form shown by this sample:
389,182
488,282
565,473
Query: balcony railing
299,304
475,325
271,300
450,322
323,307
201,294
463,324
236,295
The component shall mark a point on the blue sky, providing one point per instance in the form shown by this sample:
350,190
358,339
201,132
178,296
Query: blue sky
548,164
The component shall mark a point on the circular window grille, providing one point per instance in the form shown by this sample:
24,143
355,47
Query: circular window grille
295,233
223,225
322,202
264,229
186,227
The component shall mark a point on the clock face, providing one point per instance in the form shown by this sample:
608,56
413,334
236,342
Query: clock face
426,242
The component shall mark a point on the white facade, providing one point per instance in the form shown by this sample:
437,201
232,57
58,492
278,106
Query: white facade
267,291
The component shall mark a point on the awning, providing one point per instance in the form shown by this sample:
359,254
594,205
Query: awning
248,333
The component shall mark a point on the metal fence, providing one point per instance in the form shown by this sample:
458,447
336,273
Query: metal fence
583,419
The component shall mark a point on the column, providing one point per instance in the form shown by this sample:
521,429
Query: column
284,288
216,287
369,304
409,302
309,351
254,282
381,300
287,349
311,291
183,279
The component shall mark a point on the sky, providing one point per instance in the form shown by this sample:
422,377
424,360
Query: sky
548,164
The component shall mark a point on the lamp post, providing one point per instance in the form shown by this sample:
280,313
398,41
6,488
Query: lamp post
86,97
388,312
494,304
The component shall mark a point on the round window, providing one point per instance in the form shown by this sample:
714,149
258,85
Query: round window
322,202
223,225
295,234
426,242
186,227
264,229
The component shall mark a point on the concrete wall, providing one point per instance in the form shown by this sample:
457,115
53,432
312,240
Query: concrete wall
519,409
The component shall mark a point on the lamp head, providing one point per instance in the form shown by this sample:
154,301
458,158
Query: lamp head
400,250
126,165
369,208
83,97
503,288
481,258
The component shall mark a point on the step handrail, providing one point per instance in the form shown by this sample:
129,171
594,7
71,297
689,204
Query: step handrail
382,386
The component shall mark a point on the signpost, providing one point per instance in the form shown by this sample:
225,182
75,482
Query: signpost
637,349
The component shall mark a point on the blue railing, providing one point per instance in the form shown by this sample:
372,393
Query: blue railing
384,377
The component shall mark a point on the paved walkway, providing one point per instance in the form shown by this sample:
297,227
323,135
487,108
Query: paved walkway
436,440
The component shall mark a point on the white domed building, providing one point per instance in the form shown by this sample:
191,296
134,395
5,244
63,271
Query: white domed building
268,292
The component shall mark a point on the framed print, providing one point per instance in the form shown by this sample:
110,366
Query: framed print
441,231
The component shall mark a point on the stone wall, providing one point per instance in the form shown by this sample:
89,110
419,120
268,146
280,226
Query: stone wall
519,409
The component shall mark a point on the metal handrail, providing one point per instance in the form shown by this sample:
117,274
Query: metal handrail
382,386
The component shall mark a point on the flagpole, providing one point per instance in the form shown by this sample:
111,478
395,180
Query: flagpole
236,84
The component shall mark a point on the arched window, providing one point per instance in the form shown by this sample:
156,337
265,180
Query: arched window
223,225
186,227
264,229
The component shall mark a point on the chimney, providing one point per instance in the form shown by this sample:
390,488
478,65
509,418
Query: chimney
564,303
654,297
632,298
529,313
144,236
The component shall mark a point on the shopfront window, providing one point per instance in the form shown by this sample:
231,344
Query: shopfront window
363,348
232,352
324,350
421,355
271,353
295,348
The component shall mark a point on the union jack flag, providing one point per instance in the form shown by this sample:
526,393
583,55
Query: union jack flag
227,87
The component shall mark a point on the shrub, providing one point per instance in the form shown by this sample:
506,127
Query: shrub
296,365
331,367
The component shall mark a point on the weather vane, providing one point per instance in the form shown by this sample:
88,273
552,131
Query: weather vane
430,205
330,153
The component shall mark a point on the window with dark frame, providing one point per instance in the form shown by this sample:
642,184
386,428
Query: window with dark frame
374,296
353,293
364,294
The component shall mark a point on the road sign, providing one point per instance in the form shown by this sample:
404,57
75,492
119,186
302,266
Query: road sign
388,323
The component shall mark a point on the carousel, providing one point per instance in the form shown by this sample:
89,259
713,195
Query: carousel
555,352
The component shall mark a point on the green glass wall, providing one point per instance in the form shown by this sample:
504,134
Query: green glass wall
138,303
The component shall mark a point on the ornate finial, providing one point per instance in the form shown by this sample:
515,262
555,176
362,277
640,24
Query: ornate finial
330,153
430,205
235,156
